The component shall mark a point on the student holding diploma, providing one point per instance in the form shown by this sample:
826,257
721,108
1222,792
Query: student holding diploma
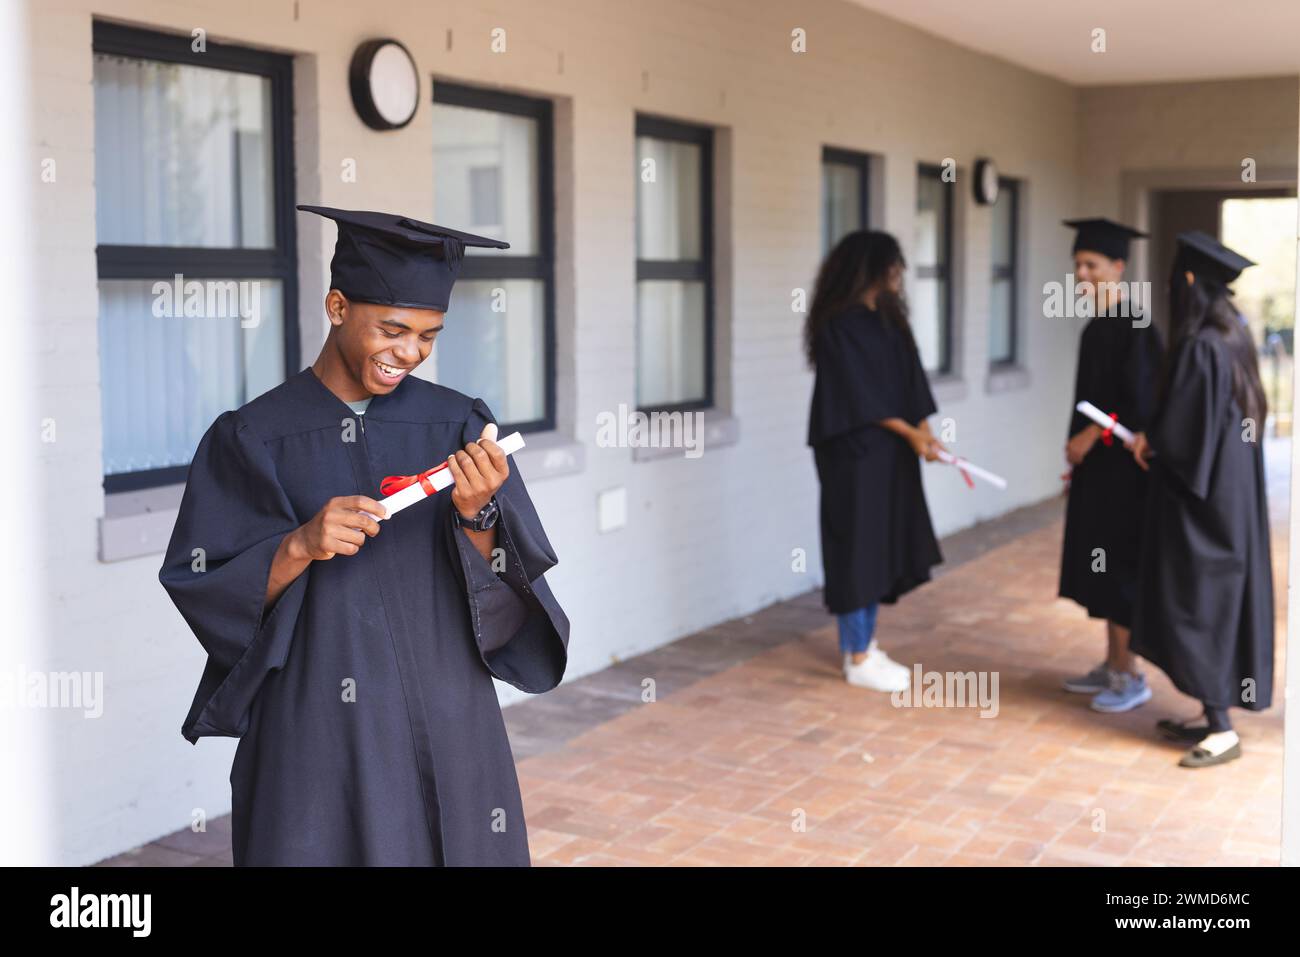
1119,358
868,430
1205,599
353,659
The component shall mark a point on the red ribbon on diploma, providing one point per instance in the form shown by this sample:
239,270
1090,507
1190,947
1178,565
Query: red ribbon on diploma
1106,437
395,483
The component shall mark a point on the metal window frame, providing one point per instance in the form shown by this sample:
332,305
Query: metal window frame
540,266
699,270
862,163
1009,188
162,262
941,271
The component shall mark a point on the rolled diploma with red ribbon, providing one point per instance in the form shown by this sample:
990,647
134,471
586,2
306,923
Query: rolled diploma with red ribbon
1105,421
436,479
995,480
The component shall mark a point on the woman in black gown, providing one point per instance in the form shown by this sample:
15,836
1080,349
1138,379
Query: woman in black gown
868,430
1204,610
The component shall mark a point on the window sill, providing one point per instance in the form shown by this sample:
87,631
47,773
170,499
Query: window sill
550,454
138,523
720,430
1007,378
947,388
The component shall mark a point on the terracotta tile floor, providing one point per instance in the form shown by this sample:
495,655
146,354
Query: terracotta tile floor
775,760
757,752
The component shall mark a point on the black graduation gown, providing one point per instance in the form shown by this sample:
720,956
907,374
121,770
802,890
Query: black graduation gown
1205,602
418,768
1117,370
877,539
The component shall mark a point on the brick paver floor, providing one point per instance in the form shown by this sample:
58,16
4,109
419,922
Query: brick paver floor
756,752
776,760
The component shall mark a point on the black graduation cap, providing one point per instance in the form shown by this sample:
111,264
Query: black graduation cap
395,260
1202,254
1103,236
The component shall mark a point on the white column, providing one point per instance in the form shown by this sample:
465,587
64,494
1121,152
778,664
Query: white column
1290,696
26,836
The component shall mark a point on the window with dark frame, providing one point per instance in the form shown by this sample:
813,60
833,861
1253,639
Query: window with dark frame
198,294
1003,304
845,196
674,265
493,176
930,292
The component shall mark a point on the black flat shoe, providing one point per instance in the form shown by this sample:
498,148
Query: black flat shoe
1181,731
1198,757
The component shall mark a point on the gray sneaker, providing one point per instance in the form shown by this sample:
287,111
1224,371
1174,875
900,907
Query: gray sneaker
1095,681
1125,693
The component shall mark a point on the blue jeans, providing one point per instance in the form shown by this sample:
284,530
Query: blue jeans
856,629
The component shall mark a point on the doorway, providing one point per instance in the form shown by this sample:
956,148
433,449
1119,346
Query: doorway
1260,224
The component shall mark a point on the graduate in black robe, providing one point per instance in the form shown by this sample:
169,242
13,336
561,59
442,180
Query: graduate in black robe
1119,360
868,430
1205,600
354,659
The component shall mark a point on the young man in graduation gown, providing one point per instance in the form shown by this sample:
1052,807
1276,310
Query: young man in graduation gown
352,658
868,430
1119,359
1205,599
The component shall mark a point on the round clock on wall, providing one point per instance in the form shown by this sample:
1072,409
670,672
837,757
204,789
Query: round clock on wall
385,84
986,182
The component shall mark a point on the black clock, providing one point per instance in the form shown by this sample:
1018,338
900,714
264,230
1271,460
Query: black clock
385,84
986,182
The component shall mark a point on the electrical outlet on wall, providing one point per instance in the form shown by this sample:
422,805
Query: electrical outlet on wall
611,509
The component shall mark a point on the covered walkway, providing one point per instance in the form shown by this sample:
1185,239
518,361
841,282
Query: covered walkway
754,732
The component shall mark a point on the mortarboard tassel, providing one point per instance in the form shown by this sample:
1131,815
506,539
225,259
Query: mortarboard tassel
453,251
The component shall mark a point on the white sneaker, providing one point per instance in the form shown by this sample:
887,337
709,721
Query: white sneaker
874,672
875,648
887,662
885,658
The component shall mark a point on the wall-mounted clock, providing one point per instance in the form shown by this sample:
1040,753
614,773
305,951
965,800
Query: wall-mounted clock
986,182
385,84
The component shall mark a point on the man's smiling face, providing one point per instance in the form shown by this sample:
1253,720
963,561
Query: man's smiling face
380,345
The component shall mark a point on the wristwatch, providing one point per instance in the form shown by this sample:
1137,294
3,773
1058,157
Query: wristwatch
486,518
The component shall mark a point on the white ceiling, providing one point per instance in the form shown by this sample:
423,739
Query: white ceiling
1147,41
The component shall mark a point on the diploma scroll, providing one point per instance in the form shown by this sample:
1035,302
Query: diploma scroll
997,481
1105,421
435,479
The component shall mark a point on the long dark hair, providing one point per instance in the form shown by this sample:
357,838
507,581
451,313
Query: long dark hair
859,259
1207,303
